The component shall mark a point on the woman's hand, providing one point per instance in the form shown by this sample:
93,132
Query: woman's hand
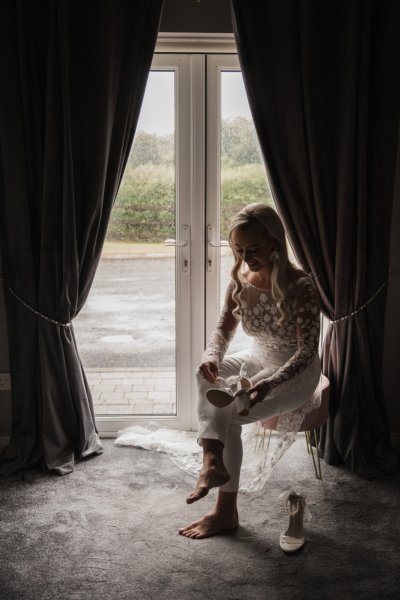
209,371
258,392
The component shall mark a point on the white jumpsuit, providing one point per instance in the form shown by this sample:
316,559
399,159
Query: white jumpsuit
286,355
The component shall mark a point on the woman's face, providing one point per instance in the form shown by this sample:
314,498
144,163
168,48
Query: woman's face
253,245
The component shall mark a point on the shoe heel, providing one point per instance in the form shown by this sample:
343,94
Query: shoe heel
296,506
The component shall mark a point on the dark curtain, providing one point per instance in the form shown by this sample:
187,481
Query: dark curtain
73,74
323,81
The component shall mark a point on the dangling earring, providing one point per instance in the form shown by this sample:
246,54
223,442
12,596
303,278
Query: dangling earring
275,256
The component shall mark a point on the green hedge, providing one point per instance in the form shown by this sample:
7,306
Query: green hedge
144,210
241,185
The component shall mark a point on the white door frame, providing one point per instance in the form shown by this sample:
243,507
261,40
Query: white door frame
216,63
197,152
189,152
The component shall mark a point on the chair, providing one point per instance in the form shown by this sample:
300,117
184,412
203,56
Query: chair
312,421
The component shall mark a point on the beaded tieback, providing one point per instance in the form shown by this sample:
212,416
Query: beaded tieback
363,306
36,312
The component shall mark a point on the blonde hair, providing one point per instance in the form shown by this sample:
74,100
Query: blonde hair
268,218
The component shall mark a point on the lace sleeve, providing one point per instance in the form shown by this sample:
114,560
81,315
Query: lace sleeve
307,311
223,332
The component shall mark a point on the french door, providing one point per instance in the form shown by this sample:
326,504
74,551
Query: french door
208,110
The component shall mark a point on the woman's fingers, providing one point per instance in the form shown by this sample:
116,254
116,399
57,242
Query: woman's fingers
209,371
256,394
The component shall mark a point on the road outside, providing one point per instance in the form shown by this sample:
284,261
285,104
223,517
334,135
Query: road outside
128,320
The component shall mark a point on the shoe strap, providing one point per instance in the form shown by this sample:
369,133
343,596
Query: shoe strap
300,501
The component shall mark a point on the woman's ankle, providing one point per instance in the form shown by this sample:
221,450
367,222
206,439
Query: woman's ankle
226,503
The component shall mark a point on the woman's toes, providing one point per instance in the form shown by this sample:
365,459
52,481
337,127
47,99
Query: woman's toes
198,493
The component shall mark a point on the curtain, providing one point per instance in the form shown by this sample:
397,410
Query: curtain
73,78
323,83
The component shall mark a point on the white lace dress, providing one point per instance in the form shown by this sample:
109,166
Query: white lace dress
288,356
294,342
288,352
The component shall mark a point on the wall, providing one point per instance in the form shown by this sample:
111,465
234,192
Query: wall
200,16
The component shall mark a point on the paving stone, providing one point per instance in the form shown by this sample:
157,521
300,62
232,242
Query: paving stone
105,386
119,409
112,375
138,398
123,388
93,382
132,380
113,397
170,398
144,387
161,374
97,400
159,395
168,386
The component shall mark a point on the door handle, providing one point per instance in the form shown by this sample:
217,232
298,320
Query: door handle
184,244
211,247
222,243
172,242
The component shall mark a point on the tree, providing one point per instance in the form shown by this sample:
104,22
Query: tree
145,149
239,143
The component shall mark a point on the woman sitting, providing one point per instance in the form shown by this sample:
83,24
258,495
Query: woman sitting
278,306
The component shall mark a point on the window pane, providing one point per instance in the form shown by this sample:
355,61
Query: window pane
126,331
243,175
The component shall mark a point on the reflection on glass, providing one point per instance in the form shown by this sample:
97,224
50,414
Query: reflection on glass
243,175
126,331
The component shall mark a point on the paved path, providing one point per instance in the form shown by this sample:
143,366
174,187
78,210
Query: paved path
133,391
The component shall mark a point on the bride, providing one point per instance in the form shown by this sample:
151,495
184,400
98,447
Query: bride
278,306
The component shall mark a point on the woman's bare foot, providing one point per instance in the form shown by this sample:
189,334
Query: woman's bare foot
213,474
211,524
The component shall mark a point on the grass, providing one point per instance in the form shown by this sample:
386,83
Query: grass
136,248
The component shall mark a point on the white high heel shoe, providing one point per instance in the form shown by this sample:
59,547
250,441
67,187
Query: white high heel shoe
223,397
296,505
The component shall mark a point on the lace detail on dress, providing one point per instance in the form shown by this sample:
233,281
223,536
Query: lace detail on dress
299,332
224,331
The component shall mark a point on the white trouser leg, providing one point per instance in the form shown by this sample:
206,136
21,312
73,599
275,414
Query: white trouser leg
213,422
225,424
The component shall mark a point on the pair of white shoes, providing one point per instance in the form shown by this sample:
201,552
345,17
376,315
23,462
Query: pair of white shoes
297,509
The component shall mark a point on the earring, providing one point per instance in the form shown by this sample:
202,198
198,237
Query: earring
275,256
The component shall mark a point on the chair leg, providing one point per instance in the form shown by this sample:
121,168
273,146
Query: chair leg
319,476
308,441
261,447
317,464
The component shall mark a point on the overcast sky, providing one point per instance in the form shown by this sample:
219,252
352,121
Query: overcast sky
157,115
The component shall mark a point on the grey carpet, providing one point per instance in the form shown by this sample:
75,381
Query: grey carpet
109,530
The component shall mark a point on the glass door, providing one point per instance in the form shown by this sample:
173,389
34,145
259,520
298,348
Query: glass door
195,161
236,176
134,331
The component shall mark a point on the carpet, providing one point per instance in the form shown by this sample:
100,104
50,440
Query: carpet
109,531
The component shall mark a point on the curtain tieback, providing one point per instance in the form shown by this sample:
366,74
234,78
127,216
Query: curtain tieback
363,306
36,312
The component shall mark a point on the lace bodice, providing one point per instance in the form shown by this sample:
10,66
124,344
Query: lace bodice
298,335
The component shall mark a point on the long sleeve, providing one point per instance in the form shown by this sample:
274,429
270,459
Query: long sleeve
307,319
224,331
